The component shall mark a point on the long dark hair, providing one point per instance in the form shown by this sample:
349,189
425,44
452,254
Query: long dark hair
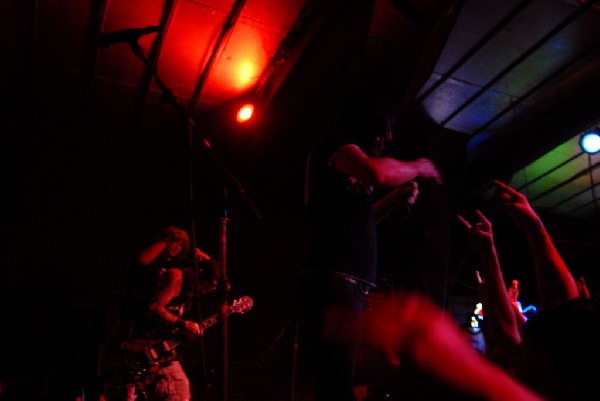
365,115
175,233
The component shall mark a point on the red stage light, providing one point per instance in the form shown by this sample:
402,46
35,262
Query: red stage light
245,113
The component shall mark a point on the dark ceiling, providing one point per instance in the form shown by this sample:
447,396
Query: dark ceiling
509,80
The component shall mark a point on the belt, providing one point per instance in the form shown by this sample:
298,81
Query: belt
362,286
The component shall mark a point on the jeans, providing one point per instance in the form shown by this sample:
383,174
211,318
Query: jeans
170,384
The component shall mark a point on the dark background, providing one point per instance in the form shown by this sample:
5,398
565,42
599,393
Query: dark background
90,175
84,195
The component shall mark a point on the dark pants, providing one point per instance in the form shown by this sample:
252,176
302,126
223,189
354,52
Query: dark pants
333,311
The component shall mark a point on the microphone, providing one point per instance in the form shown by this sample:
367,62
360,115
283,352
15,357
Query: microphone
130,36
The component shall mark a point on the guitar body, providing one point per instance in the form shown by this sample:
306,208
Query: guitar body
143,357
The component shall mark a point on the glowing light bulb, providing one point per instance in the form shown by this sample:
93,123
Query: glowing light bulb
245,113
590,142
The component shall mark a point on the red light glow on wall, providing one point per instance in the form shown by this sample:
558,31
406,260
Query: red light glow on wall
209,52
241,62
247,73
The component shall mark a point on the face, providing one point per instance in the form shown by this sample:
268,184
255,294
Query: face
173,248
380,142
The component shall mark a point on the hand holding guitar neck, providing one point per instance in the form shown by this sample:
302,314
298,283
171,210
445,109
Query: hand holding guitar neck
190,329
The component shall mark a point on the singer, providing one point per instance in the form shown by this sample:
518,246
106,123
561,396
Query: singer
342,172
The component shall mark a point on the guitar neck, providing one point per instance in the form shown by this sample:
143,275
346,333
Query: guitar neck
211,320
240,305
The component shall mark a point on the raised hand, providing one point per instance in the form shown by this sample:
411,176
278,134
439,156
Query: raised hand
503,329
554,280
191,329
406,194
403,195
480,232
517,206
582,288
201,256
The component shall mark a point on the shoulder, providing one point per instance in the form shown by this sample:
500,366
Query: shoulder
330,146
171,276
347,156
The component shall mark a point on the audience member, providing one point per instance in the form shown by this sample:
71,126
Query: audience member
550,352
555,283
409,325
501,329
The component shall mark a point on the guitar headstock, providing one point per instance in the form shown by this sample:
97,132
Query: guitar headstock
241,305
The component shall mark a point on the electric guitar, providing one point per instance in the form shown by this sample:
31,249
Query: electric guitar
142,356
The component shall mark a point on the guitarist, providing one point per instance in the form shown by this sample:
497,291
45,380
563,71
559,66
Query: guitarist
161,286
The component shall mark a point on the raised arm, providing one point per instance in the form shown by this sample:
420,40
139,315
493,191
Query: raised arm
555,282
382,171
410,324
502,328
151,252
172,242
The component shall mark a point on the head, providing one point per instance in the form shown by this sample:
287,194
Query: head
384,138
366,117
178,243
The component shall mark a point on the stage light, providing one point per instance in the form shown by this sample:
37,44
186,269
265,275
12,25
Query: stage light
245,113
476,317
590,141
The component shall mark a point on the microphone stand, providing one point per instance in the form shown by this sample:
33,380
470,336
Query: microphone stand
223,291
223,281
